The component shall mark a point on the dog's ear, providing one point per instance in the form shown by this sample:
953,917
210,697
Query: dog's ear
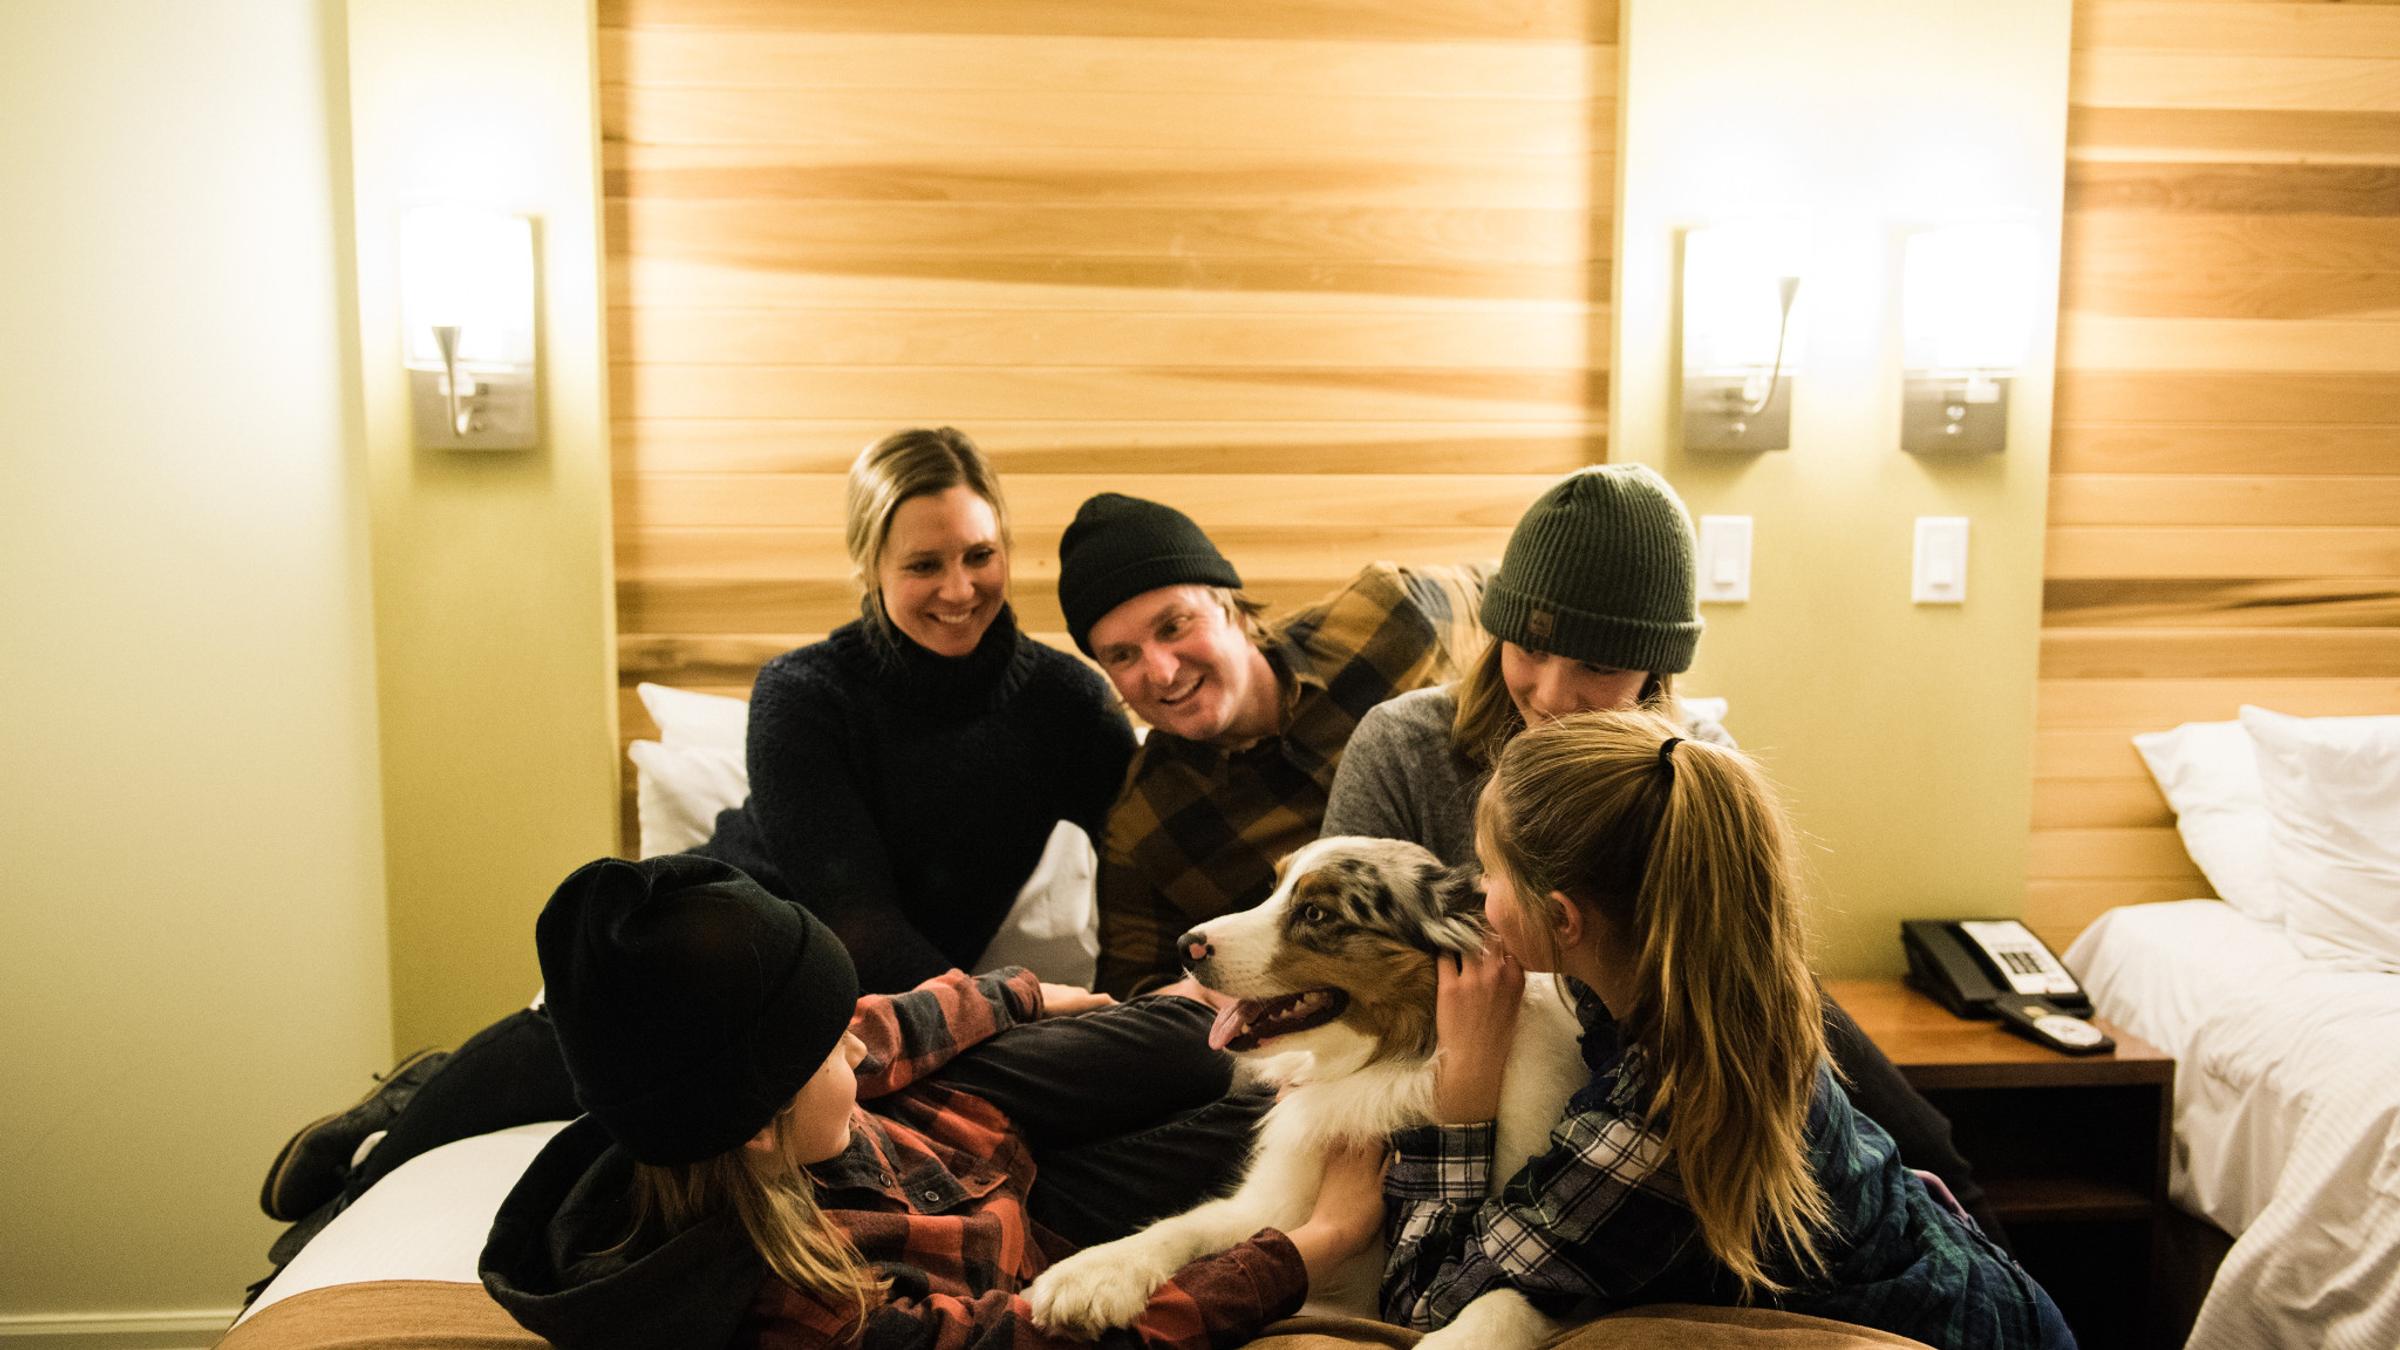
1456,895
1458,890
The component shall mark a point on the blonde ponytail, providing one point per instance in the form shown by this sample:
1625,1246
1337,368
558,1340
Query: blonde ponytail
1686,851
776,1205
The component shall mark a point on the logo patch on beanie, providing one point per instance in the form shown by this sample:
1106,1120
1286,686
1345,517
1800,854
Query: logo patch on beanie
1539,623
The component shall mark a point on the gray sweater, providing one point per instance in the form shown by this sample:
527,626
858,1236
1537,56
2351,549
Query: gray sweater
1400,779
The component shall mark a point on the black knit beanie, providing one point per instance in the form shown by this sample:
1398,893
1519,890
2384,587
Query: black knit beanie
1121,546
1600,570
690,1004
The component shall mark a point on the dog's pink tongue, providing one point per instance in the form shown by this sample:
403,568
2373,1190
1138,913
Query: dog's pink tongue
1227,1026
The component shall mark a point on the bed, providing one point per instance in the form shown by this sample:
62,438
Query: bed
396,1271
2281,1005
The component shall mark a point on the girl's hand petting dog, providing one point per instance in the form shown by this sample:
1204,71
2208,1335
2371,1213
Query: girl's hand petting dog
1476,1001
1349,1211
1059,1000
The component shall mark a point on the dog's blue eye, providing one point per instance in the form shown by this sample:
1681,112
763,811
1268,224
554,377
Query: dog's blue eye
1312,914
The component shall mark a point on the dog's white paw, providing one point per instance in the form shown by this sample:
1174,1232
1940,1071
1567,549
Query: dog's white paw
1501,1319
1095,1290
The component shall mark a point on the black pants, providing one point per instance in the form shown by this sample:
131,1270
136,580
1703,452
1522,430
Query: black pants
510,1073
1129,1114
1126,1109
1921,1132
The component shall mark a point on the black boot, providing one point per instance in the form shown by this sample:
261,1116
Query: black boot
311,1168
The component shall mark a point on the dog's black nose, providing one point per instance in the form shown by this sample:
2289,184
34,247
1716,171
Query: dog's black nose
1194,947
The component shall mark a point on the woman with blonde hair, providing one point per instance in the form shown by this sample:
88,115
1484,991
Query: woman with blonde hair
771,1160
906,772
1595,607
905,775
1713,1156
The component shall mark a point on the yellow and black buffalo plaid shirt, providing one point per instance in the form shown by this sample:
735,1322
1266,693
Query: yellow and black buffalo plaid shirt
1197,831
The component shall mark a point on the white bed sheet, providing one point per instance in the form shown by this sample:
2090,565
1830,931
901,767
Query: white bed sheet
426,1221
2287,1116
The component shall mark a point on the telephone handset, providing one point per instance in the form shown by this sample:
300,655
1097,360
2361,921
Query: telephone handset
1996,968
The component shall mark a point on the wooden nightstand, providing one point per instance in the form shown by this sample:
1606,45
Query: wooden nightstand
2071,1151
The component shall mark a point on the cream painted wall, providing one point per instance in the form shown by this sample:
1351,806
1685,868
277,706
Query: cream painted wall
192,953
1902,735
492,607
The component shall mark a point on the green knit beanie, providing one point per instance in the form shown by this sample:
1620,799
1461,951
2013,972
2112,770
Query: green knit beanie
1600,570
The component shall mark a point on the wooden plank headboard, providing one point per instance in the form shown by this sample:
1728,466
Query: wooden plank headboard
1332,277
2225,476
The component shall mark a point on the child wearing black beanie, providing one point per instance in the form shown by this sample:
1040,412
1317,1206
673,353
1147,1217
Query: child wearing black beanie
769,1159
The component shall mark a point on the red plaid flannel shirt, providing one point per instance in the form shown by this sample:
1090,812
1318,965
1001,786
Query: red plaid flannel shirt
932,1189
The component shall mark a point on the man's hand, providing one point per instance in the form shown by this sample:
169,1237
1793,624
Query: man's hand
1059,1000
1476,1001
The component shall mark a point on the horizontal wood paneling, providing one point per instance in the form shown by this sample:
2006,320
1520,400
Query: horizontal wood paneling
2234,79
2311,602
2221,653
2081,552
2225,499
1191,394
2152,703
2111,803
2238,189
783,58
2225,490
1039,506
1331,276
1403,176
1034,280
2210,137
2265,30
2178,399
2178,447
2181,293
1494,337
1099,119
1294,20
1017,446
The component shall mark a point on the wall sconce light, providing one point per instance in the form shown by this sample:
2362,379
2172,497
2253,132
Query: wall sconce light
1967,300
467,310
1740,346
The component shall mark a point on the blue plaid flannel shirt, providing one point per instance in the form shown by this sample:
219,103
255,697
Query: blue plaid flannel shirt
1599,1221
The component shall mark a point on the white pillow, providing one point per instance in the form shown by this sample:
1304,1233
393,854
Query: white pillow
2332,788
687,717
1053,928
679,789
2210,777
1712,709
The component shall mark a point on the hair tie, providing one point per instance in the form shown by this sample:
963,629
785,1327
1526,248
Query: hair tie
1666,757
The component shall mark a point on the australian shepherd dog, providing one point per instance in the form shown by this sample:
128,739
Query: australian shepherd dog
1334,980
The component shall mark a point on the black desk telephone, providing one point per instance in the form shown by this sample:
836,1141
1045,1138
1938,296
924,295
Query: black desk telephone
1995,968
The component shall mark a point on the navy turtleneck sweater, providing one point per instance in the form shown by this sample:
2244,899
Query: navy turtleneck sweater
904,797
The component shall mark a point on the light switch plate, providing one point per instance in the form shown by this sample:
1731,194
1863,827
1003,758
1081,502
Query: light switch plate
1724,559
1939,576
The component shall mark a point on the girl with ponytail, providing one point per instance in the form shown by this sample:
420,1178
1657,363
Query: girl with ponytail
1713,1157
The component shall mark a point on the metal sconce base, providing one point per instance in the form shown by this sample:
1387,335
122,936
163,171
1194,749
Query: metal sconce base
498,412
1713,416
1953,416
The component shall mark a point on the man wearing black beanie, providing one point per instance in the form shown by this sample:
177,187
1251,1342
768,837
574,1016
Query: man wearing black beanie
1247,718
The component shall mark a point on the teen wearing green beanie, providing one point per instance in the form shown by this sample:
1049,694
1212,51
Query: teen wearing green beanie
1595,608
